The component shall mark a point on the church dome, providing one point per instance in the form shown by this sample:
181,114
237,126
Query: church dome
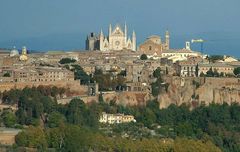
155,38
14,52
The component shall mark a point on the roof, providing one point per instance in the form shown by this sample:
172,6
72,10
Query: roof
179,51
214,65
154,36
55,52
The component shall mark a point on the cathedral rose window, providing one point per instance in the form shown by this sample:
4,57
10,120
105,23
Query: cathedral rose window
117,43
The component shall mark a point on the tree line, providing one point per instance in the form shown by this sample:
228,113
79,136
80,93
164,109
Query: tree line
48,125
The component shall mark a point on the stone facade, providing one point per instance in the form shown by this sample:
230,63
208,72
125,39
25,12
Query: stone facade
92,42
117,39
116,118
219,67
42,75
33,77
189,67
154,45
179,55
7,136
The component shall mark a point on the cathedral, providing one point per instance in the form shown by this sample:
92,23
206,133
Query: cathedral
117,39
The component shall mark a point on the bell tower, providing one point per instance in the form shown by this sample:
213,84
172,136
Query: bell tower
101,39
167,40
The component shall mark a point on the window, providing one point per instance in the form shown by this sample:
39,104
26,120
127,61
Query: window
150,48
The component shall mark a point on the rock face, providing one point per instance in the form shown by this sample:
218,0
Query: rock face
195,91
127,98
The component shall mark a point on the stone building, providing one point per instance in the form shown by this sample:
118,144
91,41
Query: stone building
189,67
39,74
219,67
186,69
154,45
23,56
14,52
116,118
117,39
92,42
7,136
179,55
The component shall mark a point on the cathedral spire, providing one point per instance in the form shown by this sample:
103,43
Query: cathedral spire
125,32
110,29
101,33
134,34
125,26
134,41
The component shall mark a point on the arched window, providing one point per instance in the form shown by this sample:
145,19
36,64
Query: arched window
150,48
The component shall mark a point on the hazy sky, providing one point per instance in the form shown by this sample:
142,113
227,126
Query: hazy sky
63,24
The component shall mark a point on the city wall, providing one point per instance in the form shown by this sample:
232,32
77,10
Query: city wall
74,86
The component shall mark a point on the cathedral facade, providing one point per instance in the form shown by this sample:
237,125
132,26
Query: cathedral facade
117,39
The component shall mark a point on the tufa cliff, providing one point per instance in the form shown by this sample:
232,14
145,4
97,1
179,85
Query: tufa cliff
195,91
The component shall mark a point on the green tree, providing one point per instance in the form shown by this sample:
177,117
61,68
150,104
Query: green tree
100,98
76,112
55,119
156,86
236,71
33,137
67,61
202,74
108,82
148,117
222,74
184,129
188,145
210,73
56,137
157,73
6,74
80,74
21,116
9,118
143,57
214,58
76,139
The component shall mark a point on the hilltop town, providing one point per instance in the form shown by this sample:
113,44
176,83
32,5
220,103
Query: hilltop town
128,92
130,74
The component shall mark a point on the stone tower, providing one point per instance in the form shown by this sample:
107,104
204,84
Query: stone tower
167,39
134,41
101,39
188,46
92,42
